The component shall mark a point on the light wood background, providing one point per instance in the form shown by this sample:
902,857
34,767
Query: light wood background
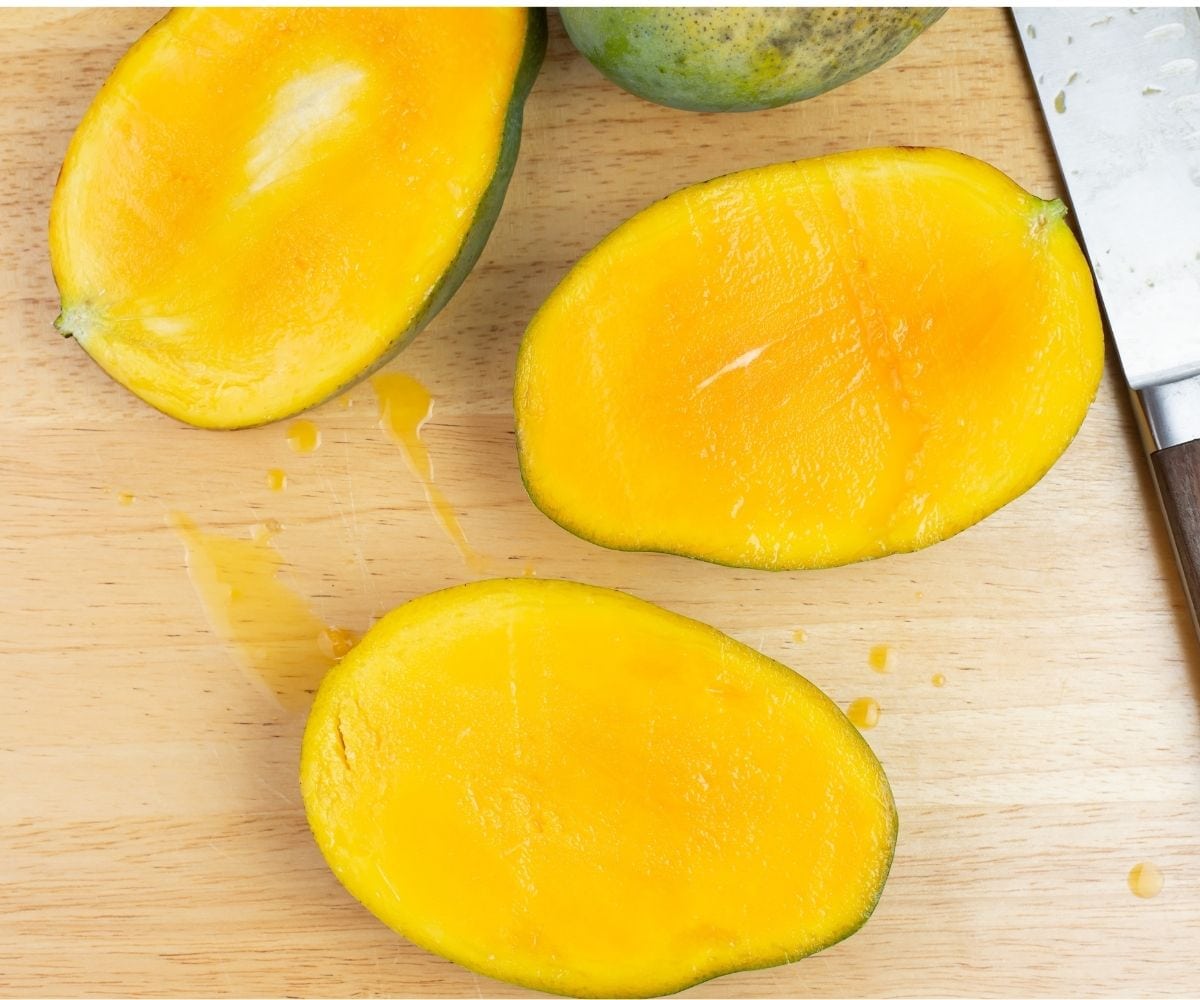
152,839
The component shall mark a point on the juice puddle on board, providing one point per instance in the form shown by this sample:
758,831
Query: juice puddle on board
275,632
404,406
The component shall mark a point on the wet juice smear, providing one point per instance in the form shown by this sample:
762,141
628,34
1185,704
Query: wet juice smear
800,635
274,630
276,480
404,406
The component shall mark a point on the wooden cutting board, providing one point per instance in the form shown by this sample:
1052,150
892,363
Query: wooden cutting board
152,839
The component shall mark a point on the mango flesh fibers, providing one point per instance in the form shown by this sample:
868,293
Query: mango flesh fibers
810,363
571,789
262,205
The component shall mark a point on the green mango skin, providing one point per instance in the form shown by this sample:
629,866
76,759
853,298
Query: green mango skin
739,58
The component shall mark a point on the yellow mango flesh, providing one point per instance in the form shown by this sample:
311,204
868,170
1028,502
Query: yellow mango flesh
568,788
261,203
810,363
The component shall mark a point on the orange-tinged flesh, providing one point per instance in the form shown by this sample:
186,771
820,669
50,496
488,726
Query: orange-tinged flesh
811,363
260,203
568,788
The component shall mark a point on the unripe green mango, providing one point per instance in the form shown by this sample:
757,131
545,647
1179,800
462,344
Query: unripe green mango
739,58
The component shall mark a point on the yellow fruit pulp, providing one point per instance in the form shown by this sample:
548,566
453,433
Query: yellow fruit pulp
568,788
260,202
811,363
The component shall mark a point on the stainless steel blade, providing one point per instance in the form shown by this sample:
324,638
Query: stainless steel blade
1120,91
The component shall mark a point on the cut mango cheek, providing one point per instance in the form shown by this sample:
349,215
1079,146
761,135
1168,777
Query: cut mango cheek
261,205
811,363
568,788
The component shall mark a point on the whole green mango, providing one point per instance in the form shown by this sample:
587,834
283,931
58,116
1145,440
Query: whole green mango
740,58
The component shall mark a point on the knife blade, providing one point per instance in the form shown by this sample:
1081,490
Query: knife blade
1120,91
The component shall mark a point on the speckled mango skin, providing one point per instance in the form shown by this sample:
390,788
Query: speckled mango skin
738,58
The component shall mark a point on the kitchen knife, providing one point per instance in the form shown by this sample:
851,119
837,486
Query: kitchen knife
1120,92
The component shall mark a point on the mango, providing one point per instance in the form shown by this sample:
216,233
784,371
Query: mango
261,206
810,364
570,789
740,58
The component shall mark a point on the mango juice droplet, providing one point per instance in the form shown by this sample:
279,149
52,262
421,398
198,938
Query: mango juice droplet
938,680
1145,880
125,499
337,642
882,659
799,635
404,407
276,480
304,436
273,629
864,713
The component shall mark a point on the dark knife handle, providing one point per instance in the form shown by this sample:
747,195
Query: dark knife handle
1177,475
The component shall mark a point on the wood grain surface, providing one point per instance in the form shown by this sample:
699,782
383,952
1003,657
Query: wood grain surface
152,840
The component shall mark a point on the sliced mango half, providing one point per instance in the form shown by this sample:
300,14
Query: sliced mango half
811,363
261,206
568,788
